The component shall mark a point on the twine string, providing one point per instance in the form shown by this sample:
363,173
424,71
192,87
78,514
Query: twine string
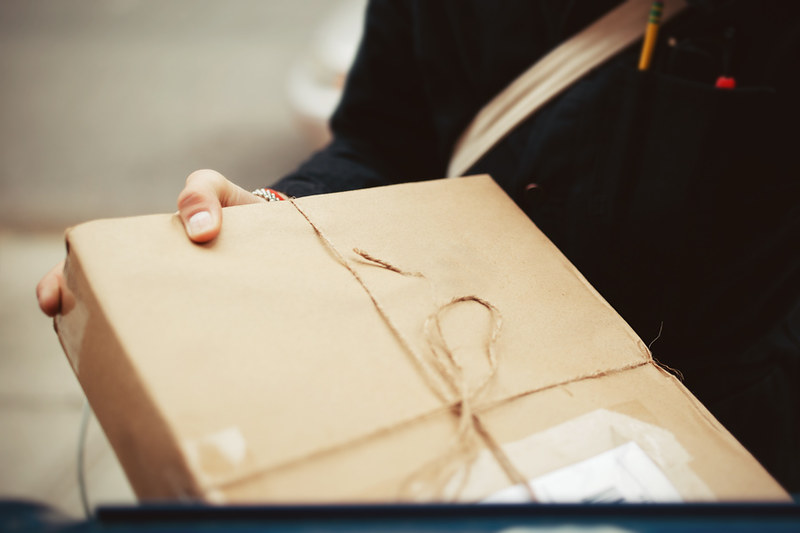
470,432
442,468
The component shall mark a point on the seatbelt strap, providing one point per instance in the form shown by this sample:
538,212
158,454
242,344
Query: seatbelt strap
560,68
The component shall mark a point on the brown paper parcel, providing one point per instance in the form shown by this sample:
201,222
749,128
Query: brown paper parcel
278,364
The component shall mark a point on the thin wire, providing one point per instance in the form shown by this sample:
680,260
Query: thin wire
85,417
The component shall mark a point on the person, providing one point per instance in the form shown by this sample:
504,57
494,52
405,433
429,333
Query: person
676,198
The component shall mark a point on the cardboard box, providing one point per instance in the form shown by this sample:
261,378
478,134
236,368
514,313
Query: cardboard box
279,364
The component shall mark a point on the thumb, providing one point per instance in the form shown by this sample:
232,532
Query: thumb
201,201
200,204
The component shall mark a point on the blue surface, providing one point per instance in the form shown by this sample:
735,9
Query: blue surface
25,516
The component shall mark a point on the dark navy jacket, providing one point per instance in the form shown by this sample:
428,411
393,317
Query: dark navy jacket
678,201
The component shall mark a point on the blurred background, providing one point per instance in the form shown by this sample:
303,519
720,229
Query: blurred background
105,107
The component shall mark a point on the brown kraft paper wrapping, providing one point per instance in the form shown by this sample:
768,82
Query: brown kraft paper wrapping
278,364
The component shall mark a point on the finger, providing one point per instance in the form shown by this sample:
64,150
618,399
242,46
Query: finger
201,201
199,205
48,291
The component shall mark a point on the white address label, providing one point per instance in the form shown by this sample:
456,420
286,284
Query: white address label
623,474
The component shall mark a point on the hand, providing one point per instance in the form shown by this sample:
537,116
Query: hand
200,206
201,201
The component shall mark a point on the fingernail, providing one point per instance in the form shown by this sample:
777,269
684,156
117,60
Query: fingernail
199,223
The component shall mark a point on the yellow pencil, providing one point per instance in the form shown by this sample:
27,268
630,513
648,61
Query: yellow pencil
650,35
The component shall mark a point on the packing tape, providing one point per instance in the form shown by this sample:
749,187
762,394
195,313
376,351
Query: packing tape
220,454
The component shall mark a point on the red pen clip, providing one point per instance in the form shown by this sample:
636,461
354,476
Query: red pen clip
726,80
